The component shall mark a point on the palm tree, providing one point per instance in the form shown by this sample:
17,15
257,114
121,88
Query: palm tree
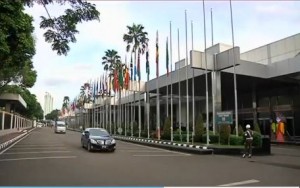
112,64
137,43
65,104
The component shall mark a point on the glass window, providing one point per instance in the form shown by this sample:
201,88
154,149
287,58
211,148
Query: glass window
263,102
284,100
98,132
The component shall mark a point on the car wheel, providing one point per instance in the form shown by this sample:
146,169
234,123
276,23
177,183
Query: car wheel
82,144
112,150
89,147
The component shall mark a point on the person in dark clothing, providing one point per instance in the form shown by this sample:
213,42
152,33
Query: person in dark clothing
248,141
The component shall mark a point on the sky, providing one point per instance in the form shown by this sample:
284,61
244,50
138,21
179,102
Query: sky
255,23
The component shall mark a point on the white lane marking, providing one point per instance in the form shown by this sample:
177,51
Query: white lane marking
38,145
17,153
159,155
241,183
37,158
37,148
13,144
138,151
153,148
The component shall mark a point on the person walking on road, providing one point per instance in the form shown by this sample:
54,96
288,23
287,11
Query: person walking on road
248,141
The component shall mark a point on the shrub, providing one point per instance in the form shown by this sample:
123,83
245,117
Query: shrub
199,129
236,140
144,134
241,132
212,138
224,134
257,139
256,128
167,129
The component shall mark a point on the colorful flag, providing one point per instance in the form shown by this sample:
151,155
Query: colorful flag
131,68
167,57
120,85
138,66
126,75
147,62
157,55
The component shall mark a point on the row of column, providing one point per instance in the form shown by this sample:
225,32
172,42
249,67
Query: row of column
16,121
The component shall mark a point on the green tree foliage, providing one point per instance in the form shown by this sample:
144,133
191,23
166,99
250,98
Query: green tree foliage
16,45
34,109
224,134
256,128
199,129
167,129
53,115
240,129
61,30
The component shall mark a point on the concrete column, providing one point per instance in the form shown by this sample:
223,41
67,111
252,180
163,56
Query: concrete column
216,95
11,120
3,120
254,105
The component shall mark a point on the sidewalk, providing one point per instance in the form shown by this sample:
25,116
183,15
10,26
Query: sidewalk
11,136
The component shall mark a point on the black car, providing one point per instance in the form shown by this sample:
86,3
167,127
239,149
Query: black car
97,139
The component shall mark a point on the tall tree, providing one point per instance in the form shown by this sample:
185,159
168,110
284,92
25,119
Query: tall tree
137,43
65,104
61,30
16,45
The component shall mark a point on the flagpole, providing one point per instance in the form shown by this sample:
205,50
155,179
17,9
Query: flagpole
167,86
171,82
206,79
109,95
125,97
212,28
187,82
115,111
213,78
157,89
179,89
139,93
193,86
234,77
148,94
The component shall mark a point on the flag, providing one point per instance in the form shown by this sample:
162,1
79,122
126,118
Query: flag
120,77
97,89
115,86
131,68
138,67
157,55
167,57
134,73
147,62
126,76
103,84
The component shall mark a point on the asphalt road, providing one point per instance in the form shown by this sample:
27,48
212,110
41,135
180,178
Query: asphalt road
46,159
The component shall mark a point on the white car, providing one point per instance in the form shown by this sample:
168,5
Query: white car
60,127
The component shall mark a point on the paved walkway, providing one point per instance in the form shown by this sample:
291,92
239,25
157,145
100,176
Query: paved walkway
11,136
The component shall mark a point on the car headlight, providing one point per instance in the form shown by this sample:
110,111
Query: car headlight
113,141
93,141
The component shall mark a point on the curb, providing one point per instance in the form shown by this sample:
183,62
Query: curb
189,148
9,142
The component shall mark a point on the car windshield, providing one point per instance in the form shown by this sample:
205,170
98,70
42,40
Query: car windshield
59,124
98,132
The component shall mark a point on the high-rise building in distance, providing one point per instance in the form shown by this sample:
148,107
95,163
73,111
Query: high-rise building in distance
48,103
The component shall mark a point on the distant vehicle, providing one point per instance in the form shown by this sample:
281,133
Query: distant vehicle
39,124
60,127
97,139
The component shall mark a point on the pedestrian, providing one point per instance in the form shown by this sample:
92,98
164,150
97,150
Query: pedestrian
248,141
